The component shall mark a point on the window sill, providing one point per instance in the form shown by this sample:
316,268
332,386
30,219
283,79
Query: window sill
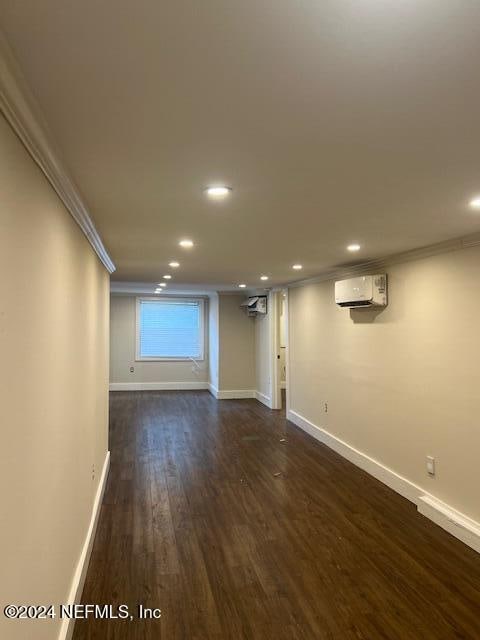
154,359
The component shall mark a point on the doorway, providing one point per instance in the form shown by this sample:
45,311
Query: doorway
279,351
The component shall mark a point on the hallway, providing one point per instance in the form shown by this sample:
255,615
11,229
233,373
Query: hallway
197,522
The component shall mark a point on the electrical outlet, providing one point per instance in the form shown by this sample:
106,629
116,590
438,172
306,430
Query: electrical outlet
93,471
431,465
326,407
132,369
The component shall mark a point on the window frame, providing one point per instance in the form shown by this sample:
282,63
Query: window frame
140,358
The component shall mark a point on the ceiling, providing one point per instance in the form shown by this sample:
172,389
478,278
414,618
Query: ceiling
333,121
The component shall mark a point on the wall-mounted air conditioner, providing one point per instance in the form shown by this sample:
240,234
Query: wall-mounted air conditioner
255,305
364,291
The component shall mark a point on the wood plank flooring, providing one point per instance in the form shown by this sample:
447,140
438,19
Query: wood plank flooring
195,522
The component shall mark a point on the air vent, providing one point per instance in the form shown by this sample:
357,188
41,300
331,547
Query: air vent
356,303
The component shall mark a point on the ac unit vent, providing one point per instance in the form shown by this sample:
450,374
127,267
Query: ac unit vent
364,291
356,303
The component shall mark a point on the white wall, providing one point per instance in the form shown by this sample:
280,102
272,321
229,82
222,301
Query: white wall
402,383
54,303
122,353
282,328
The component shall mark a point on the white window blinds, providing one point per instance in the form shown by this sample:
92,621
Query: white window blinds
170,329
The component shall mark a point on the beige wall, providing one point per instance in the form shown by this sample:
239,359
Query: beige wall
123,346
213,337
402,383
229,362
236,345
53,389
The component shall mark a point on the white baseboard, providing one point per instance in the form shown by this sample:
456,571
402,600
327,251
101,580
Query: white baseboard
261,397
396,482
230,394
239,394
213,390
235,394
456,523
75,595
157,386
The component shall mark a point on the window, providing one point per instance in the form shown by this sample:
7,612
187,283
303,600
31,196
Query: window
169,329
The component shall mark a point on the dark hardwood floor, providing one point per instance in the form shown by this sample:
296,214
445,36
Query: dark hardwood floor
195,521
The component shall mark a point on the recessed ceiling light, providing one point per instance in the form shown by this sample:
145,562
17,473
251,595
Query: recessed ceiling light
174,265
162,284
220,191
242,286
297,267
186,244
263,277
475,203
167,277
353,247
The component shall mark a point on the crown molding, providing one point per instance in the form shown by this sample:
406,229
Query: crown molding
379,264
24,116
148,288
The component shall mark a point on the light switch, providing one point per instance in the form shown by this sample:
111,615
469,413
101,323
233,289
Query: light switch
430,465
